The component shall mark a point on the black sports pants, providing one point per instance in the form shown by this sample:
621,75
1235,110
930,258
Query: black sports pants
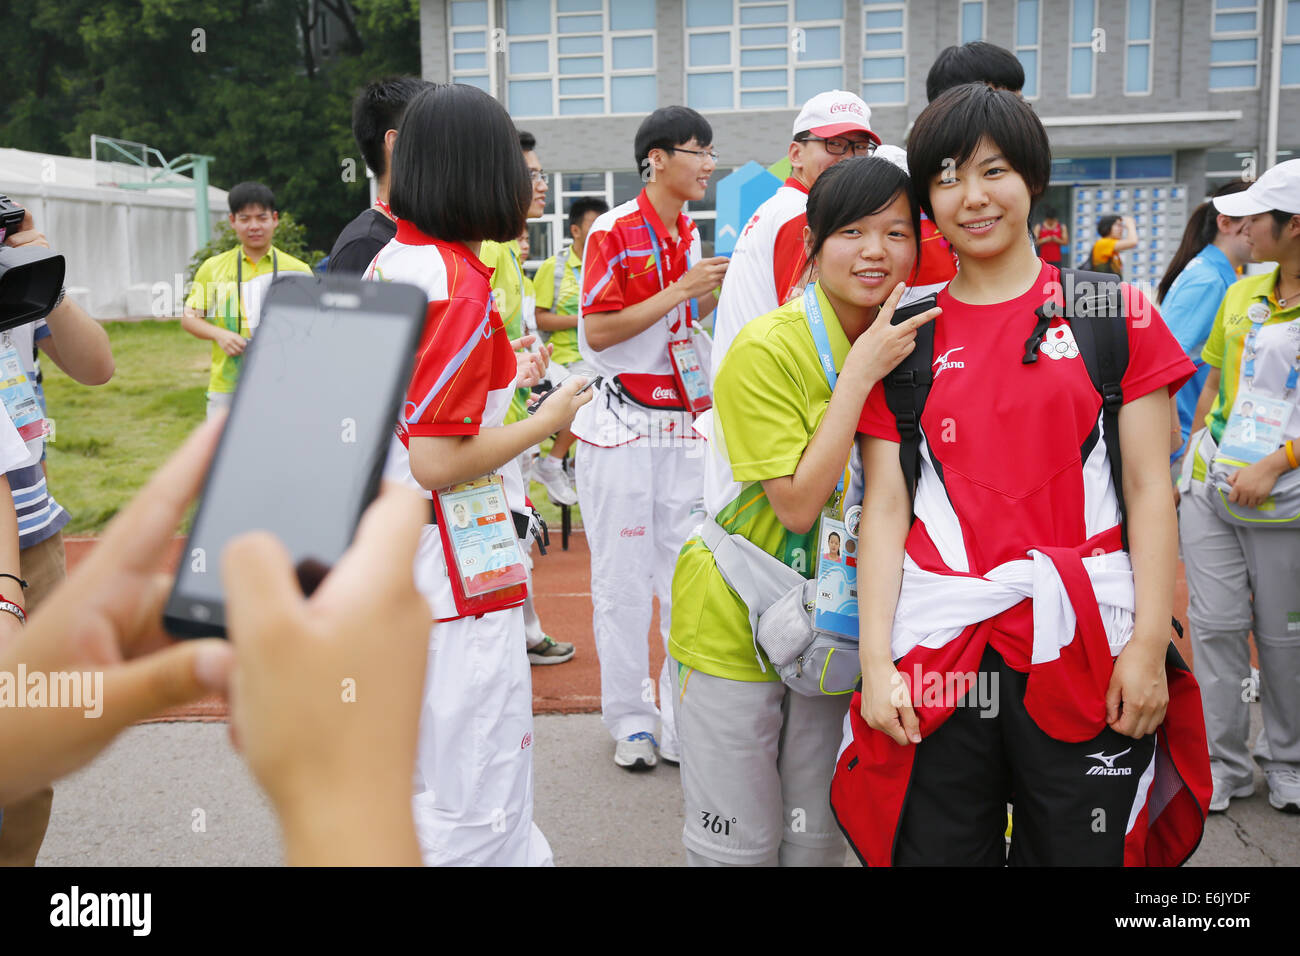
1072,802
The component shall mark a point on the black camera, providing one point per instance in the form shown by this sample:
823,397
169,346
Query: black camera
30,277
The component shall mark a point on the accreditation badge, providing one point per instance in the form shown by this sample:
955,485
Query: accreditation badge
484,561
1255,428
836,608
18,394
688,371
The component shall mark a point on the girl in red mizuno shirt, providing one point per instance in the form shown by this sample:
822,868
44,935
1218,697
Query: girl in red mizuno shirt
1012,649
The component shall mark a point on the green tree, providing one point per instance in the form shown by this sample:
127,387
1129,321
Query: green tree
239,81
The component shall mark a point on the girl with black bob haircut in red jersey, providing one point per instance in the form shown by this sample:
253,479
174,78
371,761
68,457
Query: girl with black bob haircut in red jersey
459,178
458,173
1013,649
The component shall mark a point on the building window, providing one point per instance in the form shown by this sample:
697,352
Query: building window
579,57
1234,45
1028,38
469,28
762,55
1138,33
971,22
1291,45
1083,60
1223,166
884,60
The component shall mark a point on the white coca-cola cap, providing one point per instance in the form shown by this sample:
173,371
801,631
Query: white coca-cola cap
834,113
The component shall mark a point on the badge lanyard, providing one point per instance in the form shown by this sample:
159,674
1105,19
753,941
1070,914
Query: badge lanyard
836,605
386,209
813,312
659,270
239,282
523,324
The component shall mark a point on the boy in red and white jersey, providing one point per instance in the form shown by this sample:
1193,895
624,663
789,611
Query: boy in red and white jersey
639,467
767,265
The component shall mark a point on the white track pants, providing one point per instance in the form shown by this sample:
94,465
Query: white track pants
638,508
473,800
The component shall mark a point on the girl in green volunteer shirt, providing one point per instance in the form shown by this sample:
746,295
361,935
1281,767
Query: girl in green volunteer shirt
1240,509
757,758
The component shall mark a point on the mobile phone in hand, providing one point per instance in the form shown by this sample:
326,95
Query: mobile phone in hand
309,429
534,406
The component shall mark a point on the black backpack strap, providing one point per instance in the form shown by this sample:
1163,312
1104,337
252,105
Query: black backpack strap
1096,313
906,389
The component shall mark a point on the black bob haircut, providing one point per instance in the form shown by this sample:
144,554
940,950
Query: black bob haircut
583,205
976,62
1105,224
376,109
853,189
452,194
250,194
950,129
670,126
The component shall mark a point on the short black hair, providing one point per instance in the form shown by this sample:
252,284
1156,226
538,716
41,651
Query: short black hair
670,126
377,108
1105,224
250,194
1280,219
1049,212
976,62
451,194
583,205
527,141
855,188
950,129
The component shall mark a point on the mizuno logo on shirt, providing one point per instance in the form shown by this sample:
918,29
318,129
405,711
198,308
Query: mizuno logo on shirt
942,361
1106,767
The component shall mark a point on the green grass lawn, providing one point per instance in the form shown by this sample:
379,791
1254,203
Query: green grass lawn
108,440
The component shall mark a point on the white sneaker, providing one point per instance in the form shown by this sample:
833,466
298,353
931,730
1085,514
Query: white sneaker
550,472
1284,790
636,752
1224,794
670,753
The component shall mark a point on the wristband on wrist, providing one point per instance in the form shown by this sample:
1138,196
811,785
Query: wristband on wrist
1290,454
15,609
16,578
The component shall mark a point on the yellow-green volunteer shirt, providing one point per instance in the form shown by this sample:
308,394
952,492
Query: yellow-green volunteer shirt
1225,347
564,341
769,398
214,294
509,286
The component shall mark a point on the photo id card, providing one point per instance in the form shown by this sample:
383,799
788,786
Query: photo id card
480,532
1255,428
837,575
692,382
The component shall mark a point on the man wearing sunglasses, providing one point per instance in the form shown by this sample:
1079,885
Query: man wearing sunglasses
767,264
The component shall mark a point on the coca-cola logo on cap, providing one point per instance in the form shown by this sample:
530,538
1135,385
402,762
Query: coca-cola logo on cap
849,107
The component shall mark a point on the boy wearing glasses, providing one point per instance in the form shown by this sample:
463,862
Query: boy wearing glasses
645,289
767,265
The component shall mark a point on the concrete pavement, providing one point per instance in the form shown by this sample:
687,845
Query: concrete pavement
178,795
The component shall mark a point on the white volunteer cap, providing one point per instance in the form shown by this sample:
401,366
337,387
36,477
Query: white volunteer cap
895,154
1279,188
833,114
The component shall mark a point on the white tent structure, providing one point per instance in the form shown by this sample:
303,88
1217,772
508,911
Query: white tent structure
127,250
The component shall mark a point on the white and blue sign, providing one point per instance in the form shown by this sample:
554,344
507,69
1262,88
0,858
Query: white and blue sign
740,193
